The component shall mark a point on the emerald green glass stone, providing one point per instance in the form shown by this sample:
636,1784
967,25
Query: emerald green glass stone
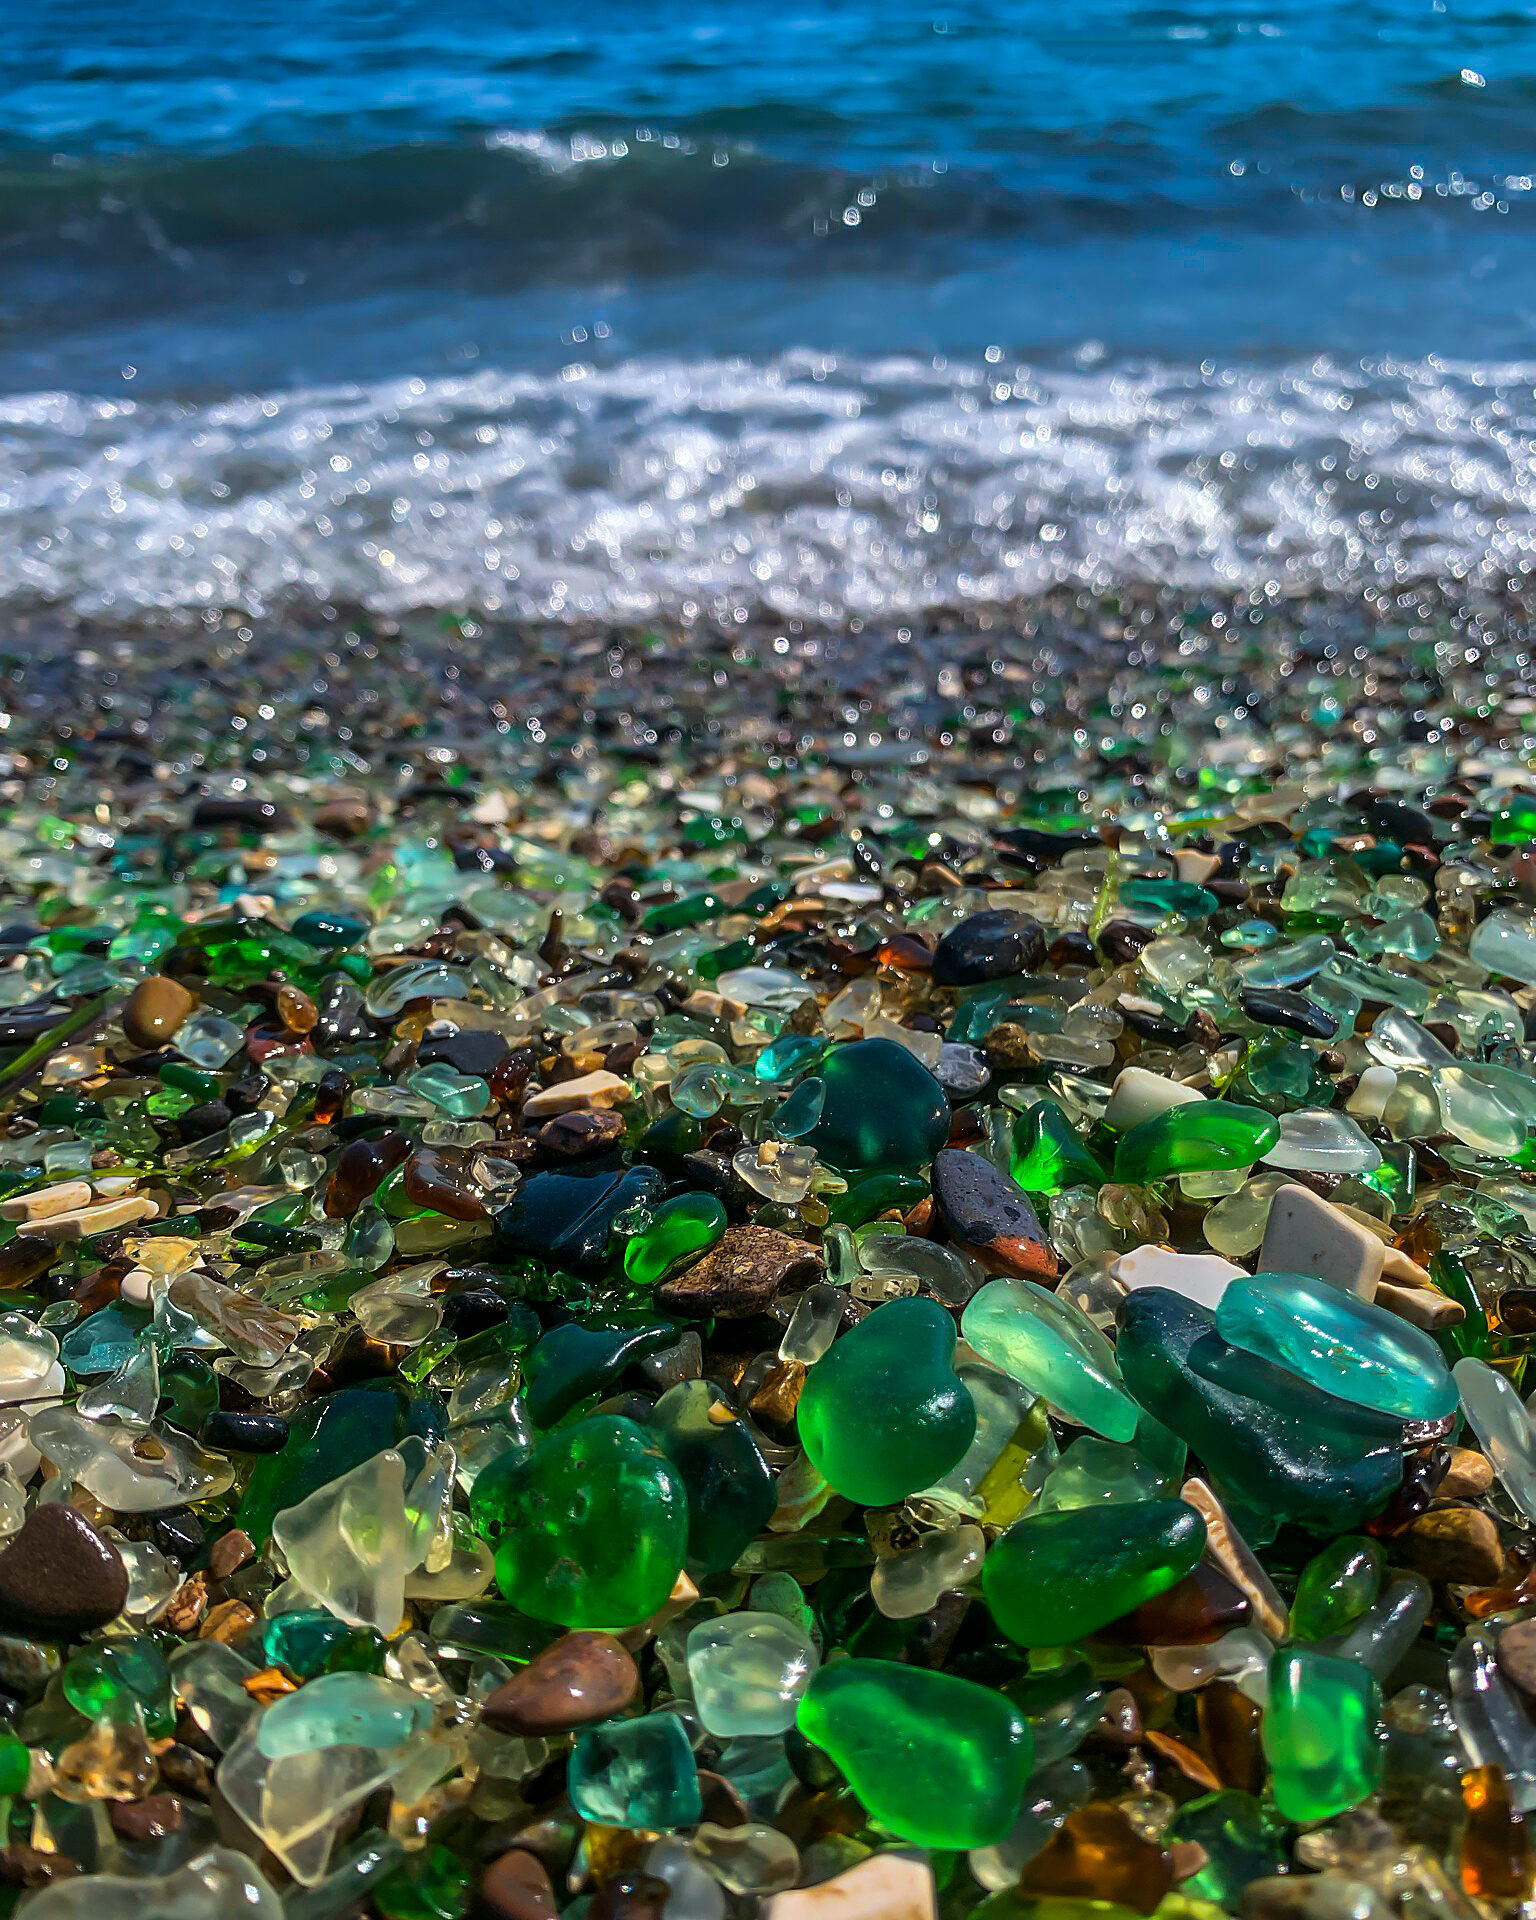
590,1529
1047,1156
883,1111
679,1228
15,1765
882,1413
1321,1732
573,1362
1206,1136
1054,1577
938,1761
326,1439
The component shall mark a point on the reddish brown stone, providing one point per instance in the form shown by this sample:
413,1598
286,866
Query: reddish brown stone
516,1887
574,1682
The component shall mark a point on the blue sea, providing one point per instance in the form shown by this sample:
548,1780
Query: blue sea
728,311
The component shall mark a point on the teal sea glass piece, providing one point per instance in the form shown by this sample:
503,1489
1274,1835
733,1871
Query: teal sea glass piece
1340,1343
1287,1450
636,1774
1055,1350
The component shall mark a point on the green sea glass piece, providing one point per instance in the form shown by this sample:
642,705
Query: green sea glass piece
573,1362
1054,1577
1321,1734
1340,1343
882,1413
636,1774
730,1490
686,1225
1054,1349
326,1438
590,1529
1206,1136
937,1760
1047,1157
1497,1415
1337,1587
882,1111
1282,1446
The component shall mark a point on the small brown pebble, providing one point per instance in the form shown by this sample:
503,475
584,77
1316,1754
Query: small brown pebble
227,1621
1425,1307
575,1681
268,1685
24,1866
1452,1543
1517,1656
1097,1854
629,1896
229,1553
1007,1045
185,1769
746,1269
573,1136
1467,1477
148,1819
186,1606
516,1887
1120,1722
59,1576
154,1013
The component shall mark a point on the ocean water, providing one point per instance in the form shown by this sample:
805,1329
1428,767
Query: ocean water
725,310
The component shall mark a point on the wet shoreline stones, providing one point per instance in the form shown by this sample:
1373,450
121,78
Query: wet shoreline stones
626,1296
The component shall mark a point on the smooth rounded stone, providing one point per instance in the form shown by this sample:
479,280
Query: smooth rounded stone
58,1576
989,1216
1201,1277
639,1775
883,1414
748,1672
962,1071
1372,1091
990,945
1321,1734
886,1886
884,1111
154,1013
590,1529
1053,1349
1054,1577
575,1681
1497,1415
937,1760
218,1884
1517,1655
517,1886
1213,1136
1138,1096
744,1272
65,1196
1305,1234
1272,1439
1342,1345
1294,1012
1322,1142
1458,1544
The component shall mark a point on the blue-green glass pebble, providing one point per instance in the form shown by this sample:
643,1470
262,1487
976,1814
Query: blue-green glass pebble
638,1774
1340,1343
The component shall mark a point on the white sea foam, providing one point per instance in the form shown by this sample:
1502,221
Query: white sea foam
802,486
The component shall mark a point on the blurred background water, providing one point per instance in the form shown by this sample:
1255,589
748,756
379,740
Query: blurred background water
719,310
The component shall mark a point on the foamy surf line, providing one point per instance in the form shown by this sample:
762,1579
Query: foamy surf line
805,486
